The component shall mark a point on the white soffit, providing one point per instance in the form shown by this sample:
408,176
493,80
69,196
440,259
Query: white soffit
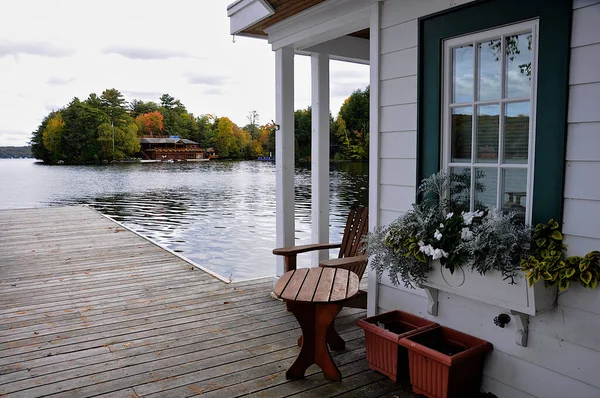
244,13
321,23
345,48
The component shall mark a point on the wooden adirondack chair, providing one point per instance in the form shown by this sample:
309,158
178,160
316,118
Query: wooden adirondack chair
350,256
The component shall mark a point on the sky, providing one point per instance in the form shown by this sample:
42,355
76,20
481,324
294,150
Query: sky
54,50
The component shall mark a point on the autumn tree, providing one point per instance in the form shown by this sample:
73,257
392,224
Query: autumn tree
52,136
150,123
224,136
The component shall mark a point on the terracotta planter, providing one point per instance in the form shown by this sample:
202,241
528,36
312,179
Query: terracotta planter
445,362
383,352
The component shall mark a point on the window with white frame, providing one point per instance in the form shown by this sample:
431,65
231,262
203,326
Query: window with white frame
488,117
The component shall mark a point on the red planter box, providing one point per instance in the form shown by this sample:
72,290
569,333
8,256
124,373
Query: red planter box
445,363
384,354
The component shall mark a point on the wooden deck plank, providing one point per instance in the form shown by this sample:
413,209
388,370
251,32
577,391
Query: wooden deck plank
90,308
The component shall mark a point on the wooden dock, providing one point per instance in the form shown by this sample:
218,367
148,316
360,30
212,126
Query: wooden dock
88,308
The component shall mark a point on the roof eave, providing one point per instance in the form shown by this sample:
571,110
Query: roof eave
245,13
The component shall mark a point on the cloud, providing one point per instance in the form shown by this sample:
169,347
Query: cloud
207,79
145,53
59,81
33,48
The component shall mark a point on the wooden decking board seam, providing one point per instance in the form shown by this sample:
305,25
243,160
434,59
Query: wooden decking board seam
81,336
113,321
77,314
142,289
87,304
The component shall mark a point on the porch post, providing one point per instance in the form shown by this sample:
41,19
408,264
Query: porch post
320,154
284,152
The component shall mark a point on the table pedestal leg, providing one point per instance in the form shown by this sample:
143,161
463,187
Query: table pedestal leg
334,341
315,321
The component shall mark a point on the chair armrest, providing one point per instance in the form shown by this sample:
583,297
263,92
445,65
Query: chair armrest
286,251
344,262
356,264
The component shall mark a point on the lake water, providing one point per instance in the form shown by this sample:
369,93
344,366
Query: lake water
219,214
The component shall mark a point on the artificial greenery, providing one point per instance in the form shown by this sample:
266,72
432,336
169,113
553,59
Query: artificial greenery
548,263
441,228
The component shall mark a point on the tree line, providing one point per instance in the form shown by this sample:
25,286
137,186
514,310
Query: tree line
107,127
7,152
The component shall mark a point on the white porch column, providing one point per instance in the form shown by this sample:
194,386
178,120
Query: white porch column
320,154
284,152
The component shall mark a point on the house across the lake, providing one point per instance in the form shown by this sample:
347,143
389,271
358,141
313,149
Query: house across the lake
173,148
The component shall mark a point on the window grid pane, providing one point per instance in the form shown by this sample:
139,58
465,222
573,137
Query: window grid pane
500,130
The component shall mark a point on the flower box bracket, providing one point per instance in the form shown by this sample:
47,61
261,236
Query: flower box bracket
432,299
522,328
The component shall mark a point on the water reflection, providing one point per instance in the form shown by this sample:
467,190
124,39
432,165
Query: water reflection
218,214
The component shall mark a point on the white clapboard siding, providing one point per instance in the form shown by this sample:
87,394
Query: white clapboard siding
398,91
568,332
581,181
387,216
583,141
581,59
399,37
398,118
583,102
584,300
582,218
399,64
398,172
584,3
501,389
396,198
399,145
585,26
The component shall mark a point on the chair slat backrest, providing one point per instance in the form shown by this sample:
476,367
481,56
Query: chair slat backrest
356,227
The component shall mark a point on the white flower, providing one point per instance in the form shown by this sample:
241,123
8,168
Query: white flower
466,233
439,253
467,218
421,243
426,249
437,235
441,225
449,215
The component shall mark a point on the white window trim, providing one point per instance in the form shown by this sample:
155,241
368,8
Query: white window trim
445,153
